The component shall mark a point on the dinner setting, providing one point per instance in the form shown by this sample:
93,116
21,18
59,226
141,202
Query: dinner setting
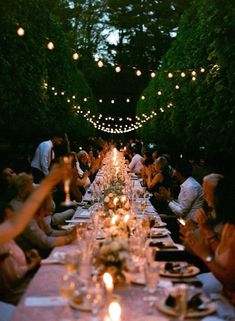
110,270
117,176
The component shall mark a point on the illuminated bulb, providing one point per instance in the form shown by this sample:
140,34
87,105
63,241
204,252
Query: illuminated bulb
62,93
194,73
112,101
120,119
202,69
85,99
118,69
68,100
74,97
170,75
153,74
75,56
20,32
138,73
162,110
50,45
127,100
177,87
52,88
143,97
183,74
193,78
55,93
159,93
100,64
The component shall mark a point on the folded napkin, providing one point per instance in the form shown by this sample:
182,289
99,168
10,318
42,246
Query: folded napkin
41,301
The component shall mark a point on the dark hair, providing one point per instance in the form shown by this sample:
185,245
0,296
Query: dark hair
3,207
184,167
224,200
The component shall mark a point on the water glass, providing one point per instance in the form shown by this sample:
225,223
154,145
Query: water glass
151,271
182,291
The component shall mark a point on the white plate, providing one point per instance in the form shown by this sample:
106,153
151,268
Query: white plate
158,234
136,278
85,306
190,271
210,308
160,224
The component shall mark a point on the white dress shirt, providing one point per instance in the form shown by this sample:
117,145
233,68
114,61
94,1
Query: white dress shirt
43,156
136,164
190,199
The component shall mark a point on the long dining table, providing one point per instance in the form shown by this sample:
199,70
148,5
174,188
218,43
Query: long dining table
42,300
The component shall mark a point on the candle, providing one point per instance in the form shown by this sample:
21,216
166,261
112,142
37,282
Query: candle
108,281
115,311
114,219
115,201
123,199
126,218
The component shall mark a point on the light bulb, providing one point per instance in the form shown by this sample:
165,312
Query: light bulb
170,75
75,56
20,32
50,45
153,74
100,64
138,73
118,69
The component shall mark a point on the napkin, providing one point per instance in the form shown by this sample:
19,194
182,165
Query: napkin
44,301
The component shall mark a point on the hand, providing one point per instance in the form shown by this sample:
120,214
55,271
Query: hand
165,193
202,219
196,242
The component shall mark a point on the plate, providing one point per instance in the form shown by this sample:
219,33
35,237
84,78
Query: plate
85,306
210,308
156,234
160,224
188,272
137,278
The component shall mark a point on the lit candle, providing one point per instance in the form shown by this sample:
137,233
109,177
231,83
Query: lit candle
108,281
115,311
126,218
114,219
123,199
115,201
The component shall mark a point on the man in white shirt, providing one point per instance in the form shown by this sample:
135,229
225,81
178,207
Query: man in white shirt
190,198
136,161
43,157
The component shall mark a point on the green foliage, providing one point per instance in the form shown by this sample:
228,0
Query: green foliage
203,112
29,112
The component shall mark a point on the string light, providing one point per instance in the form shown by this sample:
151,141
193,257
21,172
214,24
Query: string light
183,74
153,74
118,69
170,75
20,32
177,87
50,45
138,73
75,56
100,64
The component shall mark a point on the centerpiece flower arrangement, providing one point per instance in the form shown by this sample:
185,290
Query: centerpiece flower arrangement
112,256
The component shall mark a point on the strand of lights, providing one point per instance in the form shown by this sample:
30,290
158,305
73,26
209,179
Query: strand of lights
138,72
109,124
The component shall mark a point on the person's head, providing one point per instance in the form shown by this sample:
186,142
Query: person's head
83,157
224,200
22,185
57,140
8,174
183,170
45,208
209,184
6,212
161,164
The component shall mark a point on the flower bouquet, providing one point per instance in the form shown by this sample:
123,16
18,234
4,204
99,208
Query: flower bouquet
112,256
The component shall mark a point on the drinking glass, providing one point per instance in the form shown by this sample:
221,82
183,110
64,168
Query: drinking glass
67,289
151,270
95,297
181,300
67,202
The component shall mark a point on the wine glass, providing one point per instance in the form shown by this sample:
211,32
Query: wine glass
67,202
67,289
181,300
95,297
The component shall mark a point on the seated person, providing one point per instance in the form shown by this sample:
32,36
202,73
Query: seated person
190,198
39,234
160,179
136,160
219,258
15,268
